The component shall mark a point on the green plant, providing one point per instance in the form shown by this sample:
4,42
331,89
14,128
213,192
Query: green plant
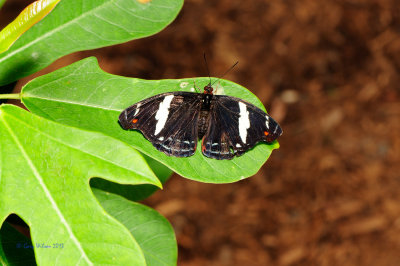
71,134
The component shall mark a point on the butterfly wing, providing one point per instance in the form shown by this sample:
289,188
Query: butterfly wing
236,126
168,121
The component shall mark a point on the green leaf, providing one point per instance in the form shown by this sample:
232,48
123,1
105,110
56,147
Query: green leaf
84,96
153,232
45,169
80,25
28,17
136,192
15,248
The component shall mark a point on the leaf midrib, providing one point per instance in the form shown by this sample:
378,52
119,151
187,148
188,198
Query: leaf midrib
72,103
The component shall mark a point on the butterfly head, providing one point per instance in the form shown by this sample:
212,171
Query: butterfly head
208,89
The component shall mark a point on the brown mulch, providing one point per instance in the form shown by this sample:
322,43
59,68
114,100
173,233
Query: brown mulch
328,71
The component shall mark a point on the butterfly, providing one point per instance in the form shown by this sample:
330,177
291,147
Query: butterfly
174,121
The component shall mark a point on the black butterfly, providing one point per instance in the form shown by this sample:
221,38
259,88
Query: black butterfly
174,121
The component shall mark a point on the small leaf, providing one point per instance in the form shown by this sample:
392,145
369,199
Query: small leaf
153,232
28,17
81,25
45,169
84,96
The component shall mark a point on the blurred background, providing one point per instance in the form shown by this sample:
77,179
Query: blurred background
328,71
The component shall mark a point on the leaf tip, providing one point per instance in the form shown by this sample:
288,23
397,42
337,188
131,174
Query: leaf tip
277,145
158,184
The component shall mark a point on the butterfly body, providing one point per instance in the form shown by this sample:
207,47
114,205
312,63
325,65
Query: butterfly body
174,121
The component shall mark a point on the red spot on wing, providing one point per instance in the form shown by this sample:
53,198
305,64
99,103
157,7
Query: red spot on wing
134,121
266,133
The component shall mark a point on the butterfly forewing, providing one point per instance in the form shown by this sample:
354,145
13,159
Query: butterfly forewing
168,121
235,126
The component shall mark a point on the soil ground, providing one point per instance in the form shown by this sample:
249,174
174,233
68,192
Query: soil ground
328,71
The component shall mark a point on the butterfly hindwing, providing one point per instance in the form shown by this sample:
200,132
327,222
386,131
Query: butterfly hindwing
235,126
168,121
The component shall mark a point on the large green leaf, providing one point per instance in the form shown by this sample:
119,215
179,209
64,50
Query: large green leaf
80,25
153,232
45,169
84,96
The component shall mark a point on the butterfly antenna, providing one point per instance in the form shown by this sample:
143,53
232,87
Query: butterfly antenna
195,86
226,72
208,70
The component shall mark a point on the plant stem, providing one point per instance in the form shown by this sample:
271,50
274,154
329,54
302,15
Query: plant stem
10,96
